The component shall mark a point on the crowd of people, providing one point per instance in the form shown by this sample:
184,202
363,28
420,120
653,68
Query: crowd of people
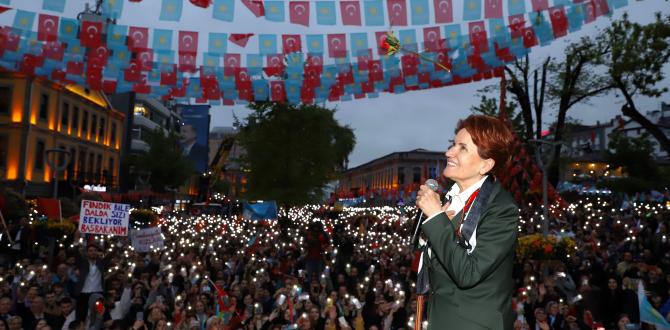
320,268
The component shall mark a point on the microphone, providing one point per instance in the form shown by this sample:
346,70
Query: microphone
434,186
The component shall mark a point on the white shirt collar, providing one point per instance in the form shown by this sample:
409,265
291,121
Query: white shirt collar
456,190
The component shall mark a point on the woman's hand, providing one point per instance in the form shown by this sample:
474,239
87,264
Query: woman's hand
428,201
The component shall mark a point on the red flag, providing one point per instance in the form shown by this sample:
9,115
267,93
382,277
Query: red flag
590,14
432,39
97,58
169,78
478,37
397,10
559,21
91,34
138,38
442,57
109,86
230,63
315,61
240,39
291,43
409,64
277,93
380,37
529,37
4,9
337,45
299,12
516,24
242,79
376,70
10,39
47,29
601,7
188,42
135,0
132,73
53,50
539,5
75,68
350,11
307,95
275,65
187,62
145,59
256,7
202,3
444,12
493,9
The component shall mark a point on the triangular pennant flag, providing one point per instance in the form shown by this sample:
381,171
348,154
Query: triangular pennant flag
255,6
4,9
240,39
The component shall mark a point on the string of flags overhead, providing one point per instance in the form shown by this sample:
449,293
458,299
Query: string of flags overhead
297,68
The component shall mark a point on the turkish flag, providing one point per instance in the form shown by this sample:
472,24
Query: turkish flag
169,78
187,62
91,34
493,9
529,37
132,73
312,78
202,3
376,70
145,59
240,39
47,28
350,11
277,93
4,9
291,43
397,10
559,21
53,50
109,86
539,5
97,58
256,7
409,63
299,12
590,9
307,95
27,65
337,45
442,57
601,7
142,88
138,38
179,91
478,37
444,12
346,77
314,61
10,40
380,37
242,79
75,68
432,39
503,54
275,65
230,63
188,42
516,25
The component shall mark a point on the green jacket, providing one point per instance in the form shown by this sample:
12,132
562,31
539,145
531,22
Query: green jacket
473,291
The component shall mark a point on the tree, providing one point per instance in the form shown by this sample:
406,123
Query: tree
490,106
164,163
635,65
292,151
634,155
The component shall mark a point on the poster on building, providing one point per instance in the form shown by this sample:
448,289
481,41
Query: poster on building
104,218
194,134
147,239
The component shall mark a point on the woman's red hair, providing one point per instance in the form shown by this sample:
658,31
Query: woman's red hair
492,137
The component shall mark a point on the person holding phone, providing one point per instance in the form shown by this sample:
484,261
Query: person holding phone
471,239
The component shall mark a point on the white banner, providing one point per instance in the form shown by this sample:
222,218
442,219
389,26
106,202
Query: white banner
147,239
104,218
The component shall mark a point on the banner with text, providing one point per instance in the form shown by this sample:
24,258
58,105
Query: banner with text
104,218
147,239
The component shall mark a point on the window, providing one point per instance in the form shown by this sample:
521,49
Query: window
401,175
65,116
416,175
84,123
102,130
432,172
91,165
39,156
140,110
81,167
4,145
110,167
44,107
5,99
112,138
98,166
94,124
70,166
75,119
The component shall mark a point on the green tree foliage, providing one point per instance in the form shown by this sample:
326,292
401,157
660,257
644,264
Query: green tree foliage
164,162
292,151
490,106
634,155
636,65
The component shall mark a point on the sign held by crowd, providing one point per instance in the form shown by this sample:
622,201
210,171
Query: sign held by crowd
103,218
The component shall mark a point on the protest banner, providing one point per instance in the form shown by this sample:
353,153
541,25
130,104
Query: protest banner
104,218
147,239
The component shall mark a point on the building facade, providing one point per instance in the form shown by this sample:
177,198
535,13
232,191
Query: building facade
393,176
150,114
41,122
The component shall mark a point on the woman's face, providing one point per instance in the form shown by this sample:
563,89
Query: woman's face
463,162
622,322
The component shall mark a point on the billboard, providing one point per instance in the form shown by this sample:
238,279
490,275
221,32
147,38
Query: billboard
194,134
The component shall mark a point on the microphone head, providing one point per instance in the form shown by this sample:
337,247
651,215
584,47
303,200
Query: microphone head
432,184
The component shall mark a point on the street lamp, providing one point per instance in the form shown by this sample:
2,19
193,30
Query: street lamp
58,167
544,167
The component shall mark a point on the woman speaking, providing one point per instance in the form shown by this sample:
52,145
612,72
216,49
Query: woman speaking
471,237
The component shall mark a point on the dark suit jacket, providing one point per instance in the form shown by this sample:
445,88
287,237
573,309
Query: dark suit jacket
83,267
473,291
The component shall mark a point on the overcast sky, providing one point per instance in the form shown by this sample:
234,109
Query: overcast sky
419,119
